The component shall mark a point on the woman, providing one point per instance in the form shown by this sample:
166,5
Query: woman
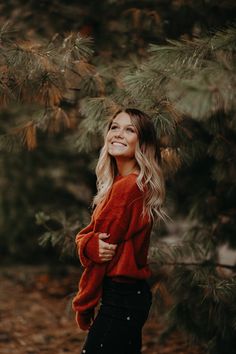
113,248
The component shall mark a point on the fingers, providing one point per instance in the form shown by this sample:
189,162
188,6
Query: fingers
104,245
106,255
106,258
103,235
108,246
106,250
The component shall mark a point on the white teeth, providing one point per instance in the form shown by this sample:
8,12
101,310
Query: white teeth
118,144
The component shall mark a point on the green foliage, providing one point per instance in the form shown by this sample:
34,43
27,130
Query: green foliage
52,86
60,234
206,310
43,75
200,84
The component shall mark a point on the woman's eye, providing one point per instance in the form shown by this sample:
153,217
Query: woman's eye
130,130
115,127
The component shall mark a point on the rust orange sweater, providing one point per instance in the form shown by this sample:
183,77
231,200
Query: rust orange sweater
121,217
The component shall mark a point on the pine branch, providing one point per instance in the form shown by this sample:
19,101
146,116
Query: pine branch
224,40
77,47
60,231
10,143
175,56
35,72
195,264
96,112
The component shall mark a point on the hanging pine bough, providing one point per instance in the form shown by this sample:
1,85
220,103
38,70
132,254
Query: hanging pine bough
189,89
45,76
198,79
60,231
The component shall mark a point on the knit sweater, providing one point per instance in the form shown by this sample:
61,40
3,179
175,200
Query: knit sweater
120,215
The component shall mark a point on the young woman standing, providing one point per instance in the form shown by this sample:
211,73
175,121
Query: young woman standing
113,248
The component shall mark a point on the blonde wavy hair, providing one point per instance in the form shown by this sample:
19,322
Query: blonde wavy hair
147,155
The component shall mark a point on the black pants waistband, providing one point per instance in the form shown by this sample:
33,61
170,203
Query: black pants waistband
108,281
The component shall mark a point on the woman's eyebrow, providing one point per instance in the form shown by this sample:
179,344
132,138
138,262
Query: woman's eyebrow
128,125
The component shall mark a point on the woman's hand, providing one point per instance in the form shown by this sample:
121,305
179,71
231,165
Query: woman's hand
106,250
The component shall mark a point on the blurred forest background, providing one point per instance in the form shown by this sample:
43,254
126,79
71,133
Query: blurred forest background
65,68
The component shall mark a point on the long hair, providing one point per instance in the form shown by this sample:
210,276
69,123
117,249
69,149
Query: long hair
147,154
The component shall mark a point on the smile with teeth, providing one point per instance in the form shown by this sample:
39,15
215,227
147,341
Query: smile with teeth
118,144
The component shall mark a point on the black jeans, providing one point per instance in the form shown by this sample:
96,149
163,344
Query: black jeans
117,328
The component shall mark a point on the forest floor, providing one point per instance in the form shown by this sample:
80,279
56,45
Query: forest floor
35,315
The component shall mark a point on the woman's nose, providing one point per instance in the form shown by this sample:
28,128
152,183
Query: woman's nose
119,133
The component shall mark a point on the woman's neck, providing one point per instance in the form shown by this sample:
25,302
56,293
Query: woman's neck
127,167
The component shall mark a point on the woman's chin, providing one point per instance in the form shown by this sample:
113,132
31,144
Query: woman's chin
117,152
117,155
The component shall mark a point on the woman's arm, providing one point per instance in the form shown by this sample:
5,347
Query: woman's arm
113,219
97,251
81,240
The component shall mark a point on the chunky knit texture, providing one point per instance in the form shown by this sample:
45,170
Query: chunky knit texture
120,215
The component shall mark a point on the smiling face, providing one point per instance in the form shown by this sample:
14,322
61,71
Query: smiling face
122,137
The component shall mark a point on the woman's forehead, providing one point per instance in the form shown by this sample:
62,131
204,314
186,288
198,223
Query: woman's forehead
122,118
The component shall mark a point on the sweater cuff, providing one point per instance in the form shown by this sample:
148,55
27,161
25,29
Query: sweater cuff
81,242
91,250
84,320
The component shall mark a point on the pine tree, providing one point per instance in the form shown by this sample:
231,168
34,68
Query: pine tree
120,35
188,88
38,90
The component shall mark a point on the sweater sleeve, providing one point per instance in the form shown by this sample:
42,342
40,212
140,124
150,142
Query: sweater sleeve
121,218
82,239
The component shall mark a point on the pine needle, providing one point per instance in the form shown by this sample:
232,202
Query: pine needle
29,135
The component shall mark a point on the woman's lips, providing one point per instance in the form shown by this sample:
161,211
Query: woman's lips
118,144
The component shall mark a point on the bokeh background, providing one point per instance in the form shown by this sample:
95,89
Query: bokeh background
66,67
